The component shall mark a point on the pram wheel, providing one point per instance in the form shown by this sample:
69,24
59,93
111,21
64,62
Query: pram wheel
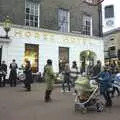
99,107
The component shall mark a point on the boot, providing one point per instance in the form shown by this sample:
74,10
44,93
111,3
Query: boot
49,95
46,95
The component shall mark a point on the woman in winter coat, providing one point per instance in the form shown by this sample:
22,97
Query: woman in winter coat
105,83
28,75
49,78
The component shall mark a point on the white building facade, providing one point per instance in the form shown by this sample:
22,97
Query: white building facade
110,14
38,45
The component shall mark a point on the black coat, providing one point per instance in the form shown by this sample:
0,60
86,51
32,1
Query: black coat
13,72
4,67
28,75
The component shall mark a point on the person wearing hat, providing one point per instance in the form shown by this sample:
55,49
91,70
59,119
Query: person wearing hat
104,78
49,79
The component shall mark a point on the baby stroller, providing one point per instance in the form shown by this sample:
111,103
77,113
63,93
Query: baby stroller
87,96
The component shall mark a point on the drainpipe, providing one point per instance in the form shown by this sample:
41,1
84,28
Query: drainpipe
100,20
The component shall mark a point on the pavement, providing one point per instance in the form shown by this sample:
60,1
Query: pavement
16,104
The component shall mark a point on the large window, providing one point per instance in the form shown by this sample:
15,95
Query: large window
112,51
63,20
32,13
87,25
109,11
32,54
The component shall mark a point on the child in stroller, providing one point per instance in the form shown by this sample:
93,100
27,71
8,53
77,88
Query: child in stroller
87,95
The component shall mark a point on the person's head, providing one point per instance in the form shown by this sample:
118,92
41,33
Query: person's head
98,62
49,62
3,62
67,66
27,63
13,60
74,64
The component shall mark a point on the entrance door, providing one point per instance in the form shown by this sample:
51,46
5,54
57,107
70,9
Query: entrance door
32,54
63,57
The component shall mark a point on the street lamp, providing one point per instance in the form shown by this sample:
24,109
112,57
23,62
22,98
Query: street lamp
7,26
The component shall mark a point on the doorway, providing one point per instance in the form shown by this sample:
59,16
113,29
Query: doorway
87,58
32,54
63,57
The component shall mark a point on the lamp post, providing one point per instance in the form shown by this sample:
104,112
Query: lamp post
7,26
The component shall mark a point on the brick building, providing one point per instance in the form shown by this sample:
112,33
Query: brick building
61,15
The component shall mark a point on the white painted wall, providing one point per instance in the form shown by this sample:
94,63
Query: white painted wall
116,18
48,46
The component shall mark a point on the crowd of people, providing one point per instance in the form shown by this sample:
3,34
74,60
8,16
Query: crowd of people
106,73
13,74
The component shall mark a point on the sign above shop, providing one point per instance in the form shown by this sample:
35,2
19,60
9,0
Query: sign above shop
53,37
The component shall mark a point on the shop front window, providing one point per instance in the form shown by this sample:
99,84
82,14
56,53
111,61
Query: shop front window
32,54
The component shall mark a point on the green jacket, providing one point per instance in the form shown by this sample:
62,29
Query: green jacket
49,77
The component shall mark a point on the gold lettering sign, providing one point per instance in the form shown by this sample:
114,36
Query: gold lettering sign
65,39
45,36
51,37
37,35
73,39
18,33
28,34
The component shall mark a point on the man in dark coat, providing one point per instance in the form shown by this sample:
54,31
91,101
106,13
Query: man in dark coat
28,75
3,69
13,73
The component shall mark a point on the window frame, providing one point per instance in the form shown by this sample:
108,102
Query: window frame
87,30
106,13
61,26
32,12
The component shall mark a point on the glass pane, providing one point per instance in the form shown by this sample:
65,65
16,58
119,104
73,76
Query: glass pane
27,16
32,5
36,24
31,23
36,6
32,11
109,11
36,13
27,10
27,22
36,18
31,17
